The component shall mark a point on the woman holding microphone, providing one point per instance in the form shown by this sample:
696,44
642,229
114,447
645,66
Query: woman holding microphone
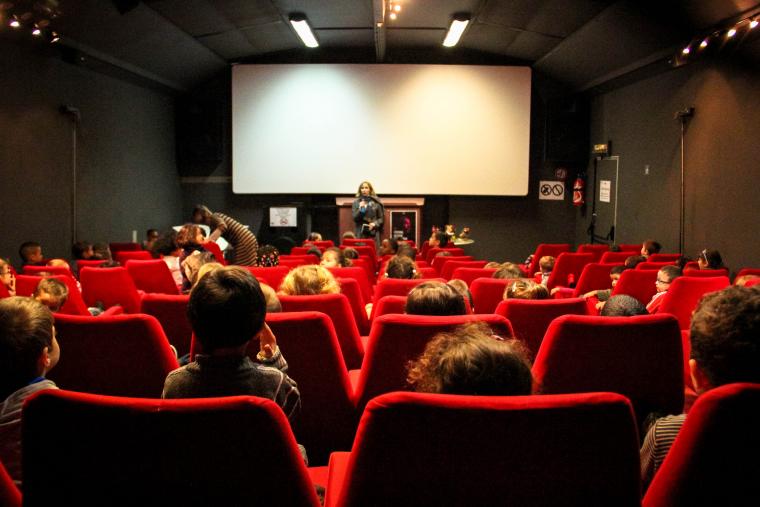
368,213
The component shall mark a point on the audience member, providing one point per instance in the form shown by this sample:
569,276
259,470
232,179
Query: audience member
741,281
314,236
508,270
309,280
546,265
710,259
205,268
406,250
604,294
389,246
333,257
439,239
665,277
240,238
28,351
349,235
31,254
51,293
525,289
461,287
7,277
650,247
725,348
269,256
470,360
316,252
633,261
82,250
166,248
434,298
493,265
190,239
623,305
101,252
151,235
272,301
350,253
403,267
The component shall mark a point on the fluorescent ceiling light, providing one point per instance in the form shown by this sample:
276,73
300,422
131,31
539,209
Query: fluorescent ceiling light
302,28
456,29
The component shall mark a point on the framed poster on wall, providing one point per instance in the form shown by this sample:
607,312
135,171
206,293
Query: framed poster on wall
404,224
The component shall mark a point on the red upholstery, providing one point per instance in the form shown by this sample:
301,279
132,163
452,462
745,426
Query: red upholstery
706,273
353,243
518,450
638,357
630,247
358,274
327,243
427,273
567,268
447,270
152,276
293,261
327,420
4,291
126,255
366,250
211,451
88,263
366,264
397,339
122,247
109,286
432,252
171,313
212,247
597,250
272,276
615,257
439,261
653,265
531,318
123,355
389,304
487,293
10,496
713,460
638,284
684,294
664,257
336,307
398,286
303,250
752,283
595,276
747,271
691,265
468,275
553,249
351,289
53,270
74,305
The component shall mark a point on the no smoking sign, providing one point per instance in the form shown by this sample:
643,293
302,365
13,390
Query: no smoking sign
551,190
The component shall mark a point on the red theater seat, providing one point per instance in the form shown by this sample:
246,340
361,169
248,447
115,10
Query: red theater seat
399,287
576,449
567,269
358,274
552,249
615,257
595,276
209,451
447,270
389,304
129,246
212,247
74,305
110,287
684,294
171,313
638,357
713,460
438,262
705,273
468,275
152,276
336,307
128,255
630,247
272,276
747,271
531,318
123,355
638,284
433,252
487,293
664,257
653,265
597,250
53,270
350,288
397,339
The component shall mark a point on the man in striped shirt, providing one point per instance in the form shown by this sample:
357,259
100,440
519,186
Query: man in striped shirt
243,241
725,348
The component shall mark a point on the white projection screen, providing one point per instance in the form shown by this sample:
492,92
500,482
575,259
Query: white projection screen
408,129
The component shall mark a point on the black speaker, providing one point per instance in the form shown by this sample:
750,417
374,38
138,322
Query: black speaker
567,130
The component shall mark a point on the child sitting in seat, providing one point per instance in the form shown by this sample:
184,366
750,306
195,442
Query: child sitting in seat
402,267
434,298
169,251
7,277
269,256
665,277
650,247
604,294
546,265
525,289
309,280
508,270
31,254
333,258
51,293
710,259
28,351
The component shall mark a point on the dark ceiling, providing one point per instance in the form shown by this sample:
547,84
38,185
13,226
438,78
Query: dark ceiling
580,43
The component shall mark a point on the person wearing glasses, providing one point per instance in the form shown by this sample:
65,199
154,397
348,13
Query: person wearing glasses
7,278
665,277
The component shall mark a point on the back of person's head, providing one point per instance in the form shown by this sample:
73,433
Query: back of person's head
471,360
434,298
58,263
617,270
671,272
309,280
507,270
741,281
632,261
389,246
201,214
316,252
226,308
525,289
492,265
623,305
442,238
546,263
151,234
269,256
682,261
165,244
461,287
650,247
81,250
28,249
270,296
207,267
725,335
350,253
710,259
314,236
188,235
401,266
101,251
51,293
334,257
349,235
405,250
26,328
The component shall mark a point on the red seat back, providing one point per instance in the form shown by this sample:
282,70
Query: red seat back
327,420
88,263
747,271
350,288
10,496
567,269
638,357
684,294
327,243
448,268
438,262
578,449
597,250
713,461
303,250
126,255
211,451
357,242
74,305
123,355
397,339
487,293
272,276
615,257
389,304
705,273
664,257
110,287
432,252
152,276
653,265
595,276
630,247
336,307
124,247
293,261
468,275
212,247
171,313
552,249
358,274
638,284
53,270
398,286
531,318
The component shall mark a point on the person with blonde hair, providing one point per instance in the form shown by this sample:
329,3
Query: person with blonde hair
309,280
368,213
525,289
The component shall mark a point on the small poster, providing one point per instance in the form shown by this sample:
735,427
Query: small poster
551,190
604,190
283,217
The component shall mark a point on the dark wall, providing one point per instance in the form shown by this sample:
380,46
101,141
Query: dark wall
722,153
127,178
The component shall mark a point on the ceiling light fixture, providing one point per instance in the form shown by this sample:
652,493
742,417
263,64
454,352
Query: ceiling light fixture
753,24
302,28
704,43
393,16
14,23
731,32
686,50
456,29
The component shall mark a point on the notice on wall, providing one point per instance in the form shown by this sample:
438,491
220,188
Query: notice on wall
551,190
604,190
283,217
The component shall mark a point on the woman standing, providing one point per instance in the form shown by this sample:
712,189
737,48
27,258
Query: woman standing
368,213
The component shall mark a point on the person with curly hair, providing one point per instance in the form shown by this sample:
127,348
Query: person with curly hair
309,280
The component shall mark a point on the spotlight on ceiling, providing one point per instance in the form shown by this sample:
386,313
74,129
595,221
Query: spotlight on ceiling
456,29
302,28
